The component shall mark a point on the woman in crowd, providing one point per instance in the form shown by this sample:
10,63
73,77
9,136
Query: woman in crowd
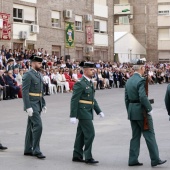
62,80
69,79
74,75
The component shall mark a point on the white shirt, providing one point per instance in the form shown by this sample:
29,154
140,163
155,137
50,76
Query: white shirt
87,78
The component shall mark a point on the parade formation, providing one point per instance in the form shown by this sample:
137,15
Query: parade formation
81,82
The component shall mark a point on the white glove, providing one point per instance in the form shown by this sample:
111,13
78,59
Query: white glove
44,110
150,113
101,114
30,111
73,120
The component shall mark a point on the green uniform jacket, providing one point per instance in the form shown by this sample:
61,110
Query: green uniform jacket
167,99
83,90
135,90
32,82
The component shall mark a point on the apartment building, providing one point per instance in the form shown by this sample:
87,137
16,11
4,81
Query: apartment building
149,23
76,29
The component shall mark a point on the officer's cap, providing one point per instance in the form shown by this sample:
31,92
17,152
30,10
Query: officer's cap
139,62
35,58
87,64
10,60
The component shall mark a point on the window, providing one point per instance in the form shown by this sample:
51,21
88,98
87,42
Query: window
55,19
78,23
96,26
123,20
18,15
100,26
22,13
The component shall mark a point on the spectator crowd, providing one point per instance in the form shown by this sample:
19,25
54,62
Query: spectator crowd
60,75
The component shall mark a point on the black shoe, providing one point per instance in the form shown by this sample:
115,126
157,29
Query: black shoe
137,164
78,159
40,156
28,154
91,161
5,98
3,147
160,162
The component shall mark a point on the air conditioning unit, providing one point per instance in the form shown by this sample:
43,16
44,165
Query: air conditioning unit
1,23
88,18
34,29
89,49
130,16
67,13
23,35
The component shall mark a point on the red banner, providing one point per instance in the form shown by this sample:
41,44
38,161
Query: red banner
5,32
89,35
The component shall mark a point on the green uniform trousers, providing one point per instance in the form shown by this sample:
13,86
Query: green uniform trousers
84,137
149,135
33,134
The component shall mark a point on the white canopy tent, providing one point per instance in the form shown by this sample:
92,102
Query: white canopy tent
127,47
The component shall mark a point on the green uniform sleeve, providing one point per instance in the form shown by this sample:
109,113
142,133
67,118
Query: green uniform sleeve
26,82
126,99
77,92
143,97
96,107
167,99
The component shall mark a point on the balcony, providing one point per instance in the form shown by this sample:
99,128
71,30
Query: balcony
164,21
123,28
123,9
163,44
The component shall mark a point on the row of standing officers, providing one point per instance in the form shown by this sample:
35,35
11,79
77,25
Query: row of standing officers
82,104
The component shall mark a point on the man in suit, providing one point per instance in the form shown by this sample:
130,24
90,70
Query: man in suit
10,81
3,147
3,87
82,105
34,103
136,102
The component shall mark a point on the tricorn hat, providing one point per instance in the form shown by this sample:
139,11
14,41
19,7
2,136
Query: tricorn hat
35,58
87,64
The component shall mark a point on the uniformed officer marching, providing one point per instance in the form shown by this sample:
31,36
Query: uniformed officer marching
82,105
34,103
136,101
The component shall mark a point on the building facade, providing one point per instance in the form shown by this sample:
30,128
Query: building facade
149,22
43,24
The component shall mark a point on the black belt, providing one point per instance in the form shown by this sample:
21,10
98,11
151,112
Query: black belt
134,101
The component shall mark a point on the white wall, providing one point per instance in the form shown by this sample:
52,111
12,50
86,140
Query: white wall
18,27
163,7
101,2
123,2
100,39
164,55
128,46
163,34
101,10
32,1
163,1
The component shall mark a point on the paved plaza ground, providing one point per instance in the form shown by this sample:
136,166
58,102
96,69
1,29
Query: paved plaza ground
111,142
